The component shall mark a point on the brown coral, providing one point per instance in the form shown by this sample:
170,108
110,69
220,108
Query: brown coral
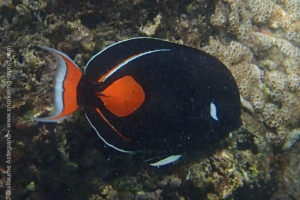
292,66
265,33
287,48
261,10
276,80
269,81
263,41
271,115
246,74
290,109
239,20
257,98
268,64
218,18
294,82
229,54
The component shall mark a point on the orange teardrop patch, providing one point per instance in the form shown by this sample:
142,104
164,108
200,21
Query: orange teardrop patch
123,96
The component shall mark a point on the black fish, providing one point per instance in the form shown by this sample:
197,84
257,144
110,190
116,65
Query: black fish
150,96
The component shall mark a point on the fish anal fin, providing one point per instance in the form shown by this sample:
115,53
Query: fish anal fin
106,120
105,141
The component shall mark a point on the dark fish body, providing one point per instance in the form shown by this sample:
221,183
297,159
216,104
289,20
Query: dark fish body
152,96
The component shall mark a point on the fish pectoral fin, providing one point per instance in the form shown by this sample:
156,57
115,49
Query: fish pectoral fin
168,160
123,97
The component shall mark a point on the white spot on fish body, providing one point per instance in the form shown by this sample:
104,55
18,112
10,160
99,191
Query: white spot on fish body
213,111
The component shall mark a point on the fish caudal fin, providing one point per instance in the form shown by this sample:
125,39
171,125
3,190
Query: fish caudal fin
65,91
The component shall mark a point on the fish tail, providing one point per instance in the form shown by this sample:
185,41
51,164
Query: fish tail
67,78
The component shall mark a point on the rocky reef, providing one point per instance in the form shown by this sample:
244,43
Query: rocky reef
259,42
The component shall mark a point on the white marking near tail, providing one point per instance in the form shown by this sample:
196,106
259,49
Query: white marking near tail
166,161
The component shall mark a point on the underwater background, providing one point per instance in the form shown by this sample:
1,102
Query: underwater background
258,40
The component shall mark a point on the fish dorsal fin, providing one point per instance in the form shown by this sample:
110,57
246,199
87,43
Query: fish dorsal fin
115,130
123,96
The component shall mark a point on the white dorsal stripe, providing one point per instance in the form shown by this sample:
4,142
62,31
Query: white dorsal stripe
128,60
117,44
166,161
59,82
108,144
213,111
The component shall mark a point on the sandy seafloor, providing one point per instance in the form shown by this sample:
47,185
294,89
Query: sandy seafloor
258,40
